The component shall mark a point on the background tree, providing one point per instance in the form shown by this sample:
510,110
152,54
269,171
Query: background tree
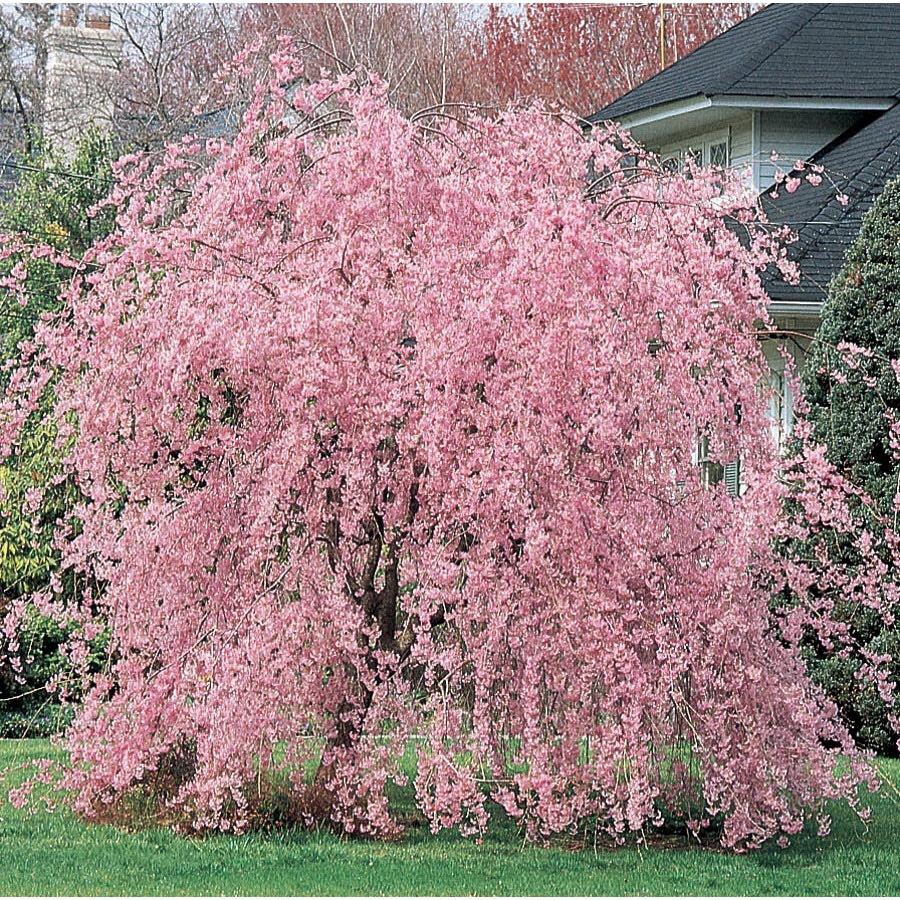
854,403
172,55
52,208
583,56
578,56
425,53
23,59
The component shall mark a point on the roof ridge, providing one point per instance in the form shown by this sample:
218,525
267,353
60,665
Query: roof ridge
666,72
803,50
804,17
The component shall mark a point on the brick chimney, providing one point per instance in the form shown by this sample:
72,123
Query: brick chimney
80,63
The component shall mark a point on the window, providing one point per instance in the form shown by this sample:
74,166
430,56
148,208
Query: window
712,472
780,387
704,150
777,406
718,155
732,476
671,164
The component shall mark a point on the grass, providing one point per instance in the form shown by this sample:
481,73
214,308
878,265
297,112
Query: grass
51,853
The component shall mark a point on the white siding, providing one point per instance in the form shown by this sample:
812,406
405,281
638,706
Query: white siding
742,144
738,132
796,134
781,402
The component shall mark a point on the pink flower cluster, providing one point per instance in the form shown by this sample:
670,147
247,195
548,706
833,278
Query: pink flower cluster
387,433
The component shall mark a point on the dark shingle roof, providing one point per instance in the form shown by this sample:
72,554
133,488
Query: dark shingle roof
785,50
218,123
860,163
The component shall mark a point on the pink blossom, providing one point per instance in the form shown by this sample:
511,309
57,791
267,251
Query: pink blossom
386,433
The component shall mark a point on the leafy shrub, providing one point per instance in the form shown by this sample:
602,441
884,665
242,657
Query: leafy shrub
854,403
52,206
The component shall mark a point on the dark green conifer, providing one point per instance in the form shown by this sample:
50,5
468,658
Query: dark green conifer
851,406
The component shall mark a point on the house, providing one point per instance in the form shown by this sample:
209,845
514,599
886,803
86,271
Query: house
813,82
80,63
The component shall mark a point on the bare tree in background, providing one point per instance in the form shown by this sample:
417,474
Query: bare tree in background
23,58
423,51
583,56
578,56
173,56
170,57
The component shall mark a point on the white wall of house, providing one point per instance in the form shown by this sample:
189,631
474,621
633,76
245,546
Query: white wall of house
786,357
795,134
742,144
752,137
736,134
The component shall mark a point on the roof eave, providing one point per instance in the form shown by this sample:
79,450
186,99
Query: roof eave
657,112
796,308
677,108
851,104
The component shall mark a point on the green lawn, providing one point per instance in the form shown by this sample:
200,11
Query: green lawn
53,853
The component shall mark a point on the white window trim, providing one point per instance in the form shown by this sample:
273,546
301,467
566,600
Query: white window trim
701,143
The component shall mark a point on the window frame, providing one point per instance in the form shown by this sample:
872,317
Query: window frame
700,147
